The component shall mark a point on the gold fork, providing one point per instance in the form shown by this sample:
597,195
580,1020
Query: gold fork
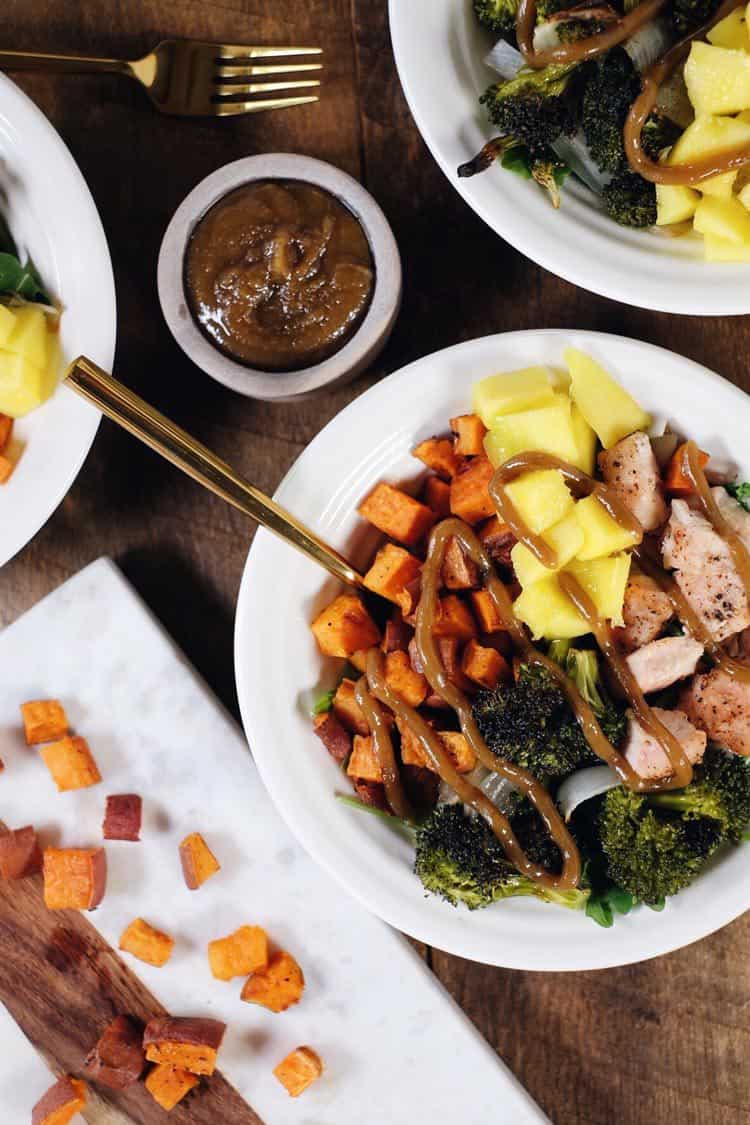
193,79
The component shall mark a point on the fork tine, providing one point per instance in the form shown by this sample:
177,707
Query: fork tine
231,109
247,70
238,51
227,89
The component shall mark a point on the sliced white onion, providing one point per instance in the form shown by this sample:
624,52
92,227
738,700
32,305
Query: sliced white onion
547,35
499,790
505,59
648,44
583,785
574,152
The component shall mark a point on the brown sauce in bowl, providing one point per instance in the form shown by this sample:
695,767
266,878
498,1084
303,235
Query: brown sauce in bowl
279,274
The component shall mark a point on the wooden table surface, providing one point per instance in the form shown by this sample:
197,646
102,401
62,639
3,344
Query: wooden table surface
662,1042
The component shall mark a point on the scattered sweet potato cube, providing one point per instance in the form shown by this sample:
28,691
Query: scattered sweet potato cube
146,943
485,666
61,1102
347,710
409,600
122,818
468,431
6,428
44,720
74,878
344,627
20,854
392,570
498,541
486,612
358,659
455,744
276,987
186,1043
459,571
239,954
397,514
6,468
437,495
470,497
117,1059
363,764
454,619
401,678
198,861
298,1070
71,763
449,649
439,455
334,736
168,1085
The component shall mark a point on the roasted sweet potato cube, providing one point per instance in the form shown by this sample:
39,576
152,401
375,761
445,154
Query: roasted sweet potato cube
198,861
470,497
298,1070
486,612
187,1043
363,763
344,627
117,1059
6,428
408,685
455,744
147,943
43,720
168,1085
397,514
122,818
6,468
371,793
454,619
439,455
61,1102
498,541
459,571
74,878
468,435
333,735
347,710
485,666
397,634
71,763
276,987
437,495
243,952
392,570
358,659
20,854
449,649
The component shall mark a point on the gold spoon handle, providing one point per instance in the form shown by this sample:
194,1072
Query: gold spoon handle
155,430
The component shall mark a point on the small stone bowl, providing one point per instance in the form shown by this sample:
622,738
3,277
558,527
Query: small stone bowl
367,341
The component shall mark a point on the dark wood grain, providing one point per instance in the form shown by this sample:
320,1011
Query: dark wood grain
63,984
653,1044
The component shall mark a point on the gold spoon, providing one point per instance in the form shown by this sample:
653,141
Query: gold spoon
155,430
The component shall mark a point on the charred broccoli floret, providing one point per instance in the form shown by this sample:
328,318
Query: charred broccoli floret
652,853
630,200
612,86
536,107
688,15
497,15
720,792
460,859
659,132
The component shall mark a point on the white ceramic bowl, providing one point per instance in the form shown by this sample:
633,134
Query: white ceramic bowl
53,217
439,49
277,661
356,354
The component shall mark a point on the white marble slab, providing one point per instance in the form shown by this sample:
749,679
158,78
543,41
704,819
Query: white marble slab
396,1047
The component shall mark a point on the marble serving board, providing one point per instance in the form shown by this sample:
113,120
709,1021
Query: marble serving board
396,1047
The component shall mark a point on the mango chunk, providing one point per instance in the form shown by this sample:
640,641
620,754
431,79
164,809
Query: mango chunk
602,535
675,204
549,612
7,324
720,250
585,441
548,429
718,186
23,386
541,498
565,538
510,392
604,580
744,196
731,31
607,407
724,218
29,337
717,79
707,136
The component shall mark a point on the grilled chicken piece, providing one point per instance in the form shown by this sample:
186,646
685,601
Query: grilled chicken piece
720,705
630,469
645,611
664,662
705,572
645,754
735,515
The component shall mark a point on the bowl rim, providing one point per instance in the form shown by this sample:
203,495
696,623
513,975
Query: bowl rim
369,338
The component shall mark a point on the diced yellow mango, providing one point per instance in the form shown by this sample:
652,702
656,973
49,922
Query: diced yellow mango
548,612
602,535
29,337
731,32
585,441
723,218
719,250
604,580
510,392
23,386
707,136
744,196
717,79
541,498
607,407
7,324
565,538
548,429
720,187
560,377
674,204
